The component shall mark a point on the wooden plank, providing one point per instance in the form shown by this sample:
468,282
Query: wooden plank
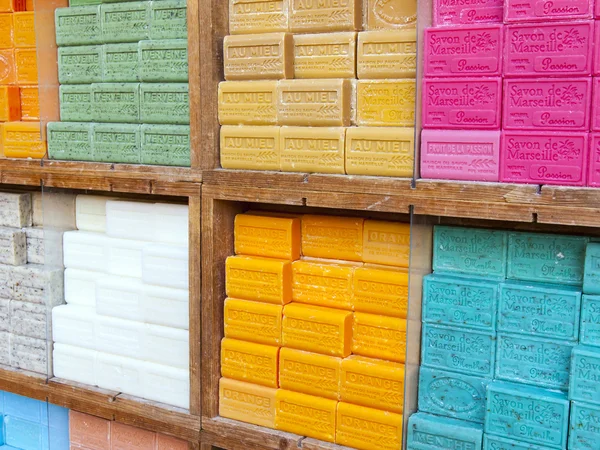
194,63
255,195
215,442
232,432
476,210
255,178
24,383
360,202
315,444
195,307
82,398
475,191
358,184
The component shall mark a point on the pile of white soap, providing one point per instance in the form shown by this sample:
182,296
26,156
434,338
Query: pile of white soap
125,324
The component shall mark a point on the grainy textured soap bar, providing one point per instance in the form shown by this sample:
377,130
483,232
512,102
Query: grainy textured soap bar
249,16
35,244
164,61
250,147
13,246
27,68
165,103
10,104
31,354
333,15
253,321
23,140
250,362
312,150
125,22
585,373
29,319
8,72
24,29
116,102
429,432
332,237
584,432
385,103
367,428
30,103
328,55
75,102
166,145
542,11
15,210
35,283
305,415
491,442
267,235
379,337
116,143
78,25
486,11
310,373
247,402
387,54
590,320
260,279
77,65
120,63
591,278
6,31
70,141
386,243
380,290
168,19
248,103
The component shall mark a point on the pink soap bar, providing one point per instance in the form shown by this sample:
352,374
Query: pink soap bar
465,51
595,105
542,10
594,161
597,9
465,103
547,104
547,157
471,155
453,12
560,48
596,69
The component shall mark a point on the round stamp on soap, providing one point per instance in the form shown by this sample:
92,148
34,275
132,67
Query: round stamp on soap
392,13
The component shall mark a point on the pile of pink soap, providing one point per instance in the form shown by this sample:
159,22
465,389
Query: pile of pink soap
510,92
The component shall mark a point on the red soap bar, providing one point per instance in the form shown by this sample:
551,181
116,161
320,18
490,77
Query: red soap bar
461,13
544,10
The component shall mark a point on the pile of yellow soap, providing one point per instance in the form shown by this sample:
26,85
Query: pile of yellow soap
315,327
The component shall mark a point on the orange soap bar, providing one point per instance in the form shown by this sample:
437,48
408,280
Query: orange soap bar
24,29
323,283
368,429
332,237
10,104
305,415
316,329
373,382
30,103
380,290
23,140
8,72
250,362
27,69
253,321
2,140
379,337
386,243
247,402
310,373
261,279
320,16
6,31
29,5
266,235
12,5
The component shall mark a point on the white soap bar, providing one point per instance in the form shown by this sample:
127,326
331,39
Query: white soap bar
6,282
119,373
37,209
36,283
29,319
35,244
80,286
125,257
166,265
166,306
130,220
85,250
90,212
172,224
74,325
167,385
120,297
4,314
30,354
15,210
75,363
5,348
13,246
166,345
120,336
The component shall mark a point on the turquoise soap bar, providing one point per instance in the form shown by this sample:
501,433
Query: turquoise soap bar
525,413
551,258
456,300
452,394
125,22
119,143
590,320
429,432
164,61
534,360
167,103
167,145
591,277
80,65
75,102
168,19
116,102
584,384
471,251
70,141
491,442
459,350
584,431
120,63
539,309
78,25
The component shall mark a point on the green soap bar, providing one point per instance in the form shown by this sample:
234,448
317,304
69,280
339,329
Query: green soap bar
167,145
168,19
119,143
125,22
120,63
116,102
73,3
75,102
164,103
80,65
78,25
70,140
164,61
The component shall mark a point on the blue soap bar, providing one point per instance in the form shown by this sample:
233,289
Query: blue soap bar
539,309
491,442
590,320
429,432
58,417
452,394
456,300
584,431
25,408
528,414
552,258
585,375
24,434
591,278
534,360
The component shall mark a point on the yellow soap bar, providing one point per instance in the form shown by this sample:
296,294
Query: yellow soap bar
392,14
367,428
328,55
6,31
250,147
323,283
30,103
385,103
316,329
381,291
387,54
27,68
310,373
252,16
386,243
332,237
380,151
250,362
247,402
261,279
23,140
24,29
373,382
253,321
8,70
313,149
314,102
10,104
321,16
267,235
248,103
266,56
2,140
379,337
305,415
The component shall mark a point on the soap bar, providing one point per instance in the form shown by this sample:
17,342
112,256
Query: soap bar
310,373
383,14
30,354
547,49
316,329
23,140
253,321
120,63
248,103
131,220
379,337
367,428
466,103
584,432
6,31
385,103
15,209
75,102
110,370
10,104
259,279
380,151
247,402
117,143
30,103
90,212
250,147
596,48
305,415
78,25
70,141
429,432
164,61
320,17
165,306
27,69
386,243
85,250
469,155
585,373
167,145
80,287
119,297
314,102
491,442
78,65
165,103
328,55
449,13
116,102
590,320
13,246
125,22
595,119
267,235
74,325
29,319
332,237
249,16
466,51
24,29
380,290
250,362
266,56
594,161
387,54
125,258
530,11
166,265
12,5
34,237
168,19
529,414
8,72
546,257
313,150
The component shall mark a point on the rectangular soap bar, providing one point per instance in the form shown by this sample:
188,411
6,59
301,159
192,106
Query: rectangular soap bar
541,11
313,149
166,145
319,17
385,103
29,319
90,212
30,103
30,354
449,13
387,54
596,50
386,243
116,102
249,16
23,140
595,119
10,104
24,29
8,69
259,279
13,246
316,329
367,428
75,102
267,235
15,209
168,19
250,147
584,432
381,290
125,22
78,25
70,141
585,373
35,245
250,362
594,160
491,442
590,320
466,103
117,143
326,55
332,237
310,373
429,432
380,337
165,265
120,63
165,103
6,31
248,103
253,321
27,68
80,65
247,402
305,415
164,61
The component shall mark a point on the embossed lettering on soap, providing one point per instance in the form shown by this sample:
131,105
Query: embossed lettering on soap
459,12
540,10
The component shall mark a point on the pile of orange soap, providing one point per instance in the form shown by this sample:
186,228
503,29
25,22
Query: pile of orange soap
20,130
315,327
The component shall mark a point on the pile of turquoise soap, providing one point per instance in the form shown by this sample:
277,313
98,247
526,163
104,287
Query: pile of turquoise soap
123,73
